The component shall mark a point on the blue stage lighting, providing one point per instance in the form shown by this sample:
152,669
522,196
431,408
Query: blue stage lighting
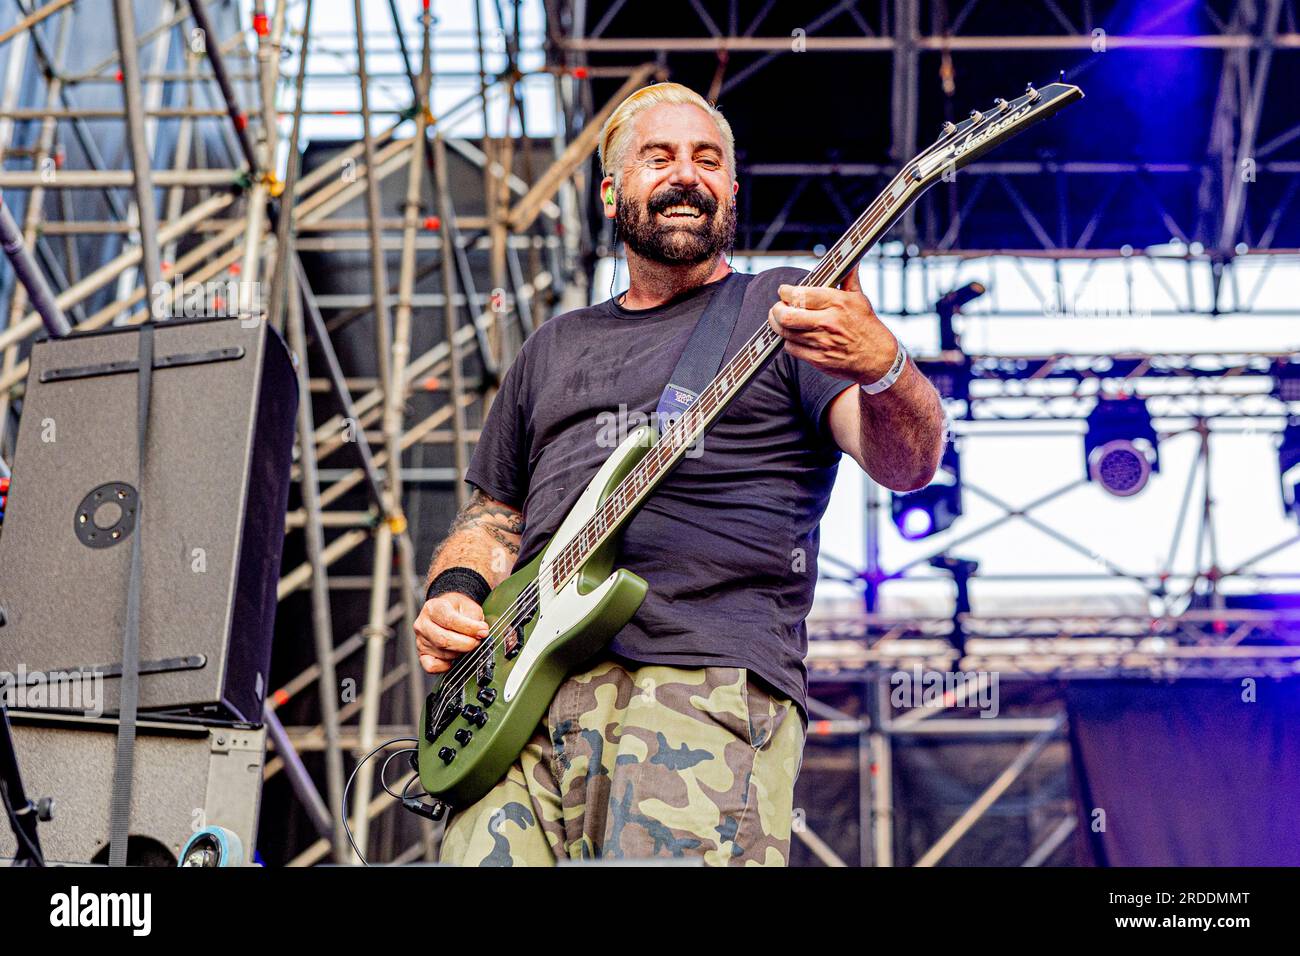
929,510
1288,463
1286,381
915,522
1120,446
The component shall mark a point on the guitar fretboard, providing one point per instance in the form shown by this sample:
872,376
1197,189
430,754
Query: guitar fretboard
729,382
959,145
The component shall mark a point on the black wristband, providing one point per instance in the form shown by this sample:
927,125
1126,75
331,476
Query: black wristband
465,580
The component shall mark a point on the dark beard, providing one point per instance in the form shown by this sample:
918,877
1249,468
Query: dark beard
682,244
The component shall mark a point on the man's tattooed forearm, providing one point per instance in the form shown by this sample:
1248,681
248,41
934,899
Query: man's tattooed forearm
485,535
498,520
510,542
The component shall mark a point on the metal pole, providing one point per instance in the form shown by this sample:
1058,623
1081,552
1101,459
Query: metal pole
181,161
1235,207
461,454
396,396
30,275
374,209
284,236
322,622
337,379
79,129
152,99
35,202
93,179
140,160
990,796
237,116
250,269
905,94
13,78
29,21
378,631
299,778
882,776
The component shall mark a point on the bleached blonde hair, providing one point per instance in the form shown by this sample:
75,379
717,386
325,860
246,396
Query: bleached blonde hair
617,132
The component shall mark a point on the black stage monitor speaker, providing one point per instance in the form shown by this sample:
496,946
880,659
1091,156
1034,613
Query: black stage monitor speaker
213,498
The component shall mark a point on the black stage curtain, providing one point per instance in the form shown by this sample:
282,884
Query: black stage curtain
1192,773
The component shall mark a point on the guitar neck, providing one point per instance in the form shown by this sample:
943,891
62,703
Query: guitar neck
743,367
959,145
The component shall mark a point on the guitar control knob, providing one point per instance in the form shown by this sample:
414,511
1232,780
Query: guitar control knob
487,695
475,715
463,736
447,754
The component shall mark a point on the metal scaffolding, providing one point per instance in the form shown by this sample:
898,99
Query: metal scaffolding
208,206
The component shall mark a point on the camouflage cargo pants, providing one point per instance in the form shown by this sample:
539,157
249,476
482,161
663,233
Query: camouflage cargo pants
634,761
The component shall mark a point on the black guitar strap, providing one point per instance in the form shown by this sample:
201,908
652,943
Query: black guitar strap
705,350
119,812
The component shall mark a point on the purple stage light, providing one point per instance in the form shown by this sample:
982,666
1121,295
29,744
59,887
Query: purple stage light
915,523
1120,466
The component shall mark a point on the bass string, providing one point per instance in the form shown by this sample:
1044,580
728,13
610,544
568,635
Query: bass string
506,622
463,669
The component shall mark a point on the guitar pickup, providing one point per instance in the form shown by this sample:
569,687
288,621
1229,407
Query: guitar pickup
516,643
435,720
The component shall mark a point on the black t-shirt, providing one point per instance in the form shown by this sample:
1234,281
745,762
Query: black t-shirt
728,542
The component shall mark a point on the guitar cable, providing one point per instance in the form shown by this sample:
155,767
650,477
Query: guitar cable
432,811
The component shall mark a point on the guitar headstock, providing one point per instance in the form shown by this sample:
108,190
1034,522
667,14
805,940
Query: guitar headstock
957,146
962,143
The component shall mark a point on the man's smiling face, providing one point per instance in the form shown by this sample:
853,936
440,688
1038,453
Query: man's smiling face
675,200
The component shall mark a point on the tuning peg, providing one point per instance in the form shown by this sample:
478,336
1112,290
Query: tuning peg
976,115
948,128
1031,92
1001,104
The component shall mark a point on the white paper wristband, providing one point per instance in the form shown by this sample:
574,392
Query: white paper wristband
890,377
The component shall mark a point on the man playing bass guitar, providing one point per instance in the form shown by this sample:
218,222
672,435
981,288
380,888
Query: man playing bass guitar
684,737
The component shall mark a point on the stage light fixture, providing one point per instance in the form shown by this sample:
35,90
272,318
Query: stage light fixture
951,377
950,305
1286,381
1120,446
929,510
1288,465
